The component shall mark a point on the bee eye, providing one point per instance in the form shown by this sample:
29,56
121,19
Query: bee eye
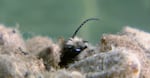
78,50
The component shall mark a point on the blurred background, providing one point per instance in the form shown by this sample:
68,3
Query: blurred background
60,18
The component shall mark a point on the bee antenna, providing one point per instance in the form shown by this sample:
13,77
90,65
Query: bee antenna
74,34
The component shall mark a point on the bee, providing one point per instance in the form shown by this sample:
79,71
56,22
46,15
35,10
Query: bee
71,48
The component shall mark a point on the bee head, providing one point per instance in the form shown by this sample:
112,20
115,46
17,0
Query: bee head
73,46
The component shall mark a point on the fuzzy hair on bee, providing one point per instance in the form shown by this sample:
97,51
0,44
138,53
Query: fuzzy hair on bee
71,48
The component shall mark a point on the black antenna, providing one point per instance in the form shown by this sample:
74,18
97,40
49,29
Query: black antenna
74,34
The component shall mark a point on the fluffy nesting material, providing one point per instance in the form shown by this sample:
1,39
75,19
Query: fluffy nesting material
89,51
38,43
12,67
119,63
44,48
109,41
131,42
123,55
14,59
142,37
11,41
64,74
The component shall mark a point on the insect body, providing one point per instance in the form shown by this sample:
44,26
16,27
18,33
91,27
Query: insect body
72,47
